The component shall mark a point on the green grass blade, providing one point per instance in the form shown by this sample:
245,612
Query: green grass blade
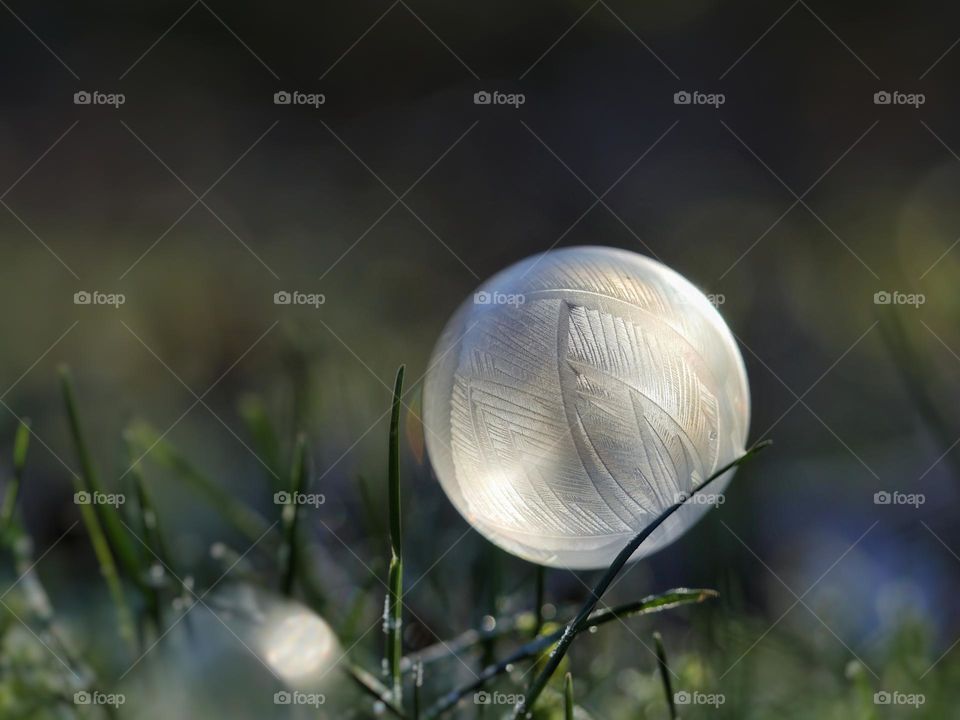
394,619
568,697
654,603
521,623
290,516
417,687
374,688
108,569
247,522
21,443
265,439
665,674
311,587
108,515
396,536
352,623
573,627
149,518
88,483
153,539
536,648
35,595
539,598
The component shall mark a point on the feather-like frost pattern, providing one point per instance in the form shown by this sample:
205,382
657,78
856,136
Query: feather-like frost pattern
563,421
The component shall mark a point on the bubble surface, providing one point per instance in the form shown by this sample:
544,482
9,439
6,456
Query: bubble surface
575,396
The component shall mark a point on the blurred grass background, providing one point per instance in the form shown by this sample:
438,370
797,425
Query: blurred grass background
800,301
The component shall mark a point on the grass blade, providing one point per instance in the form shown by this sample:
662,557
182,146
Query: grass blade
570,632
149,518
568,697
153,539
535,648
394,619
538,599
88,483
349,626
108,514
265,441
108,569
522,622
665,674
35,595
290,516
417,687
374,688
247,522
21,443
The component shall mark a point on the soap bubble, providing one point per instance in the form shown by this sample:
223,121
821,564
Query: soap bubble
575,396
243,652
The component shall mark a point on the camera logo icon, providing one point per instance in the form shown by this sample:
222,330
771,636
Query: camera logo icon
282,298
681,698
682,97
282,697
82,697
82,298
881,698
282,97
481,698
882,498
899,97
82,497
498,97
482,298
98,97
282,497
882,297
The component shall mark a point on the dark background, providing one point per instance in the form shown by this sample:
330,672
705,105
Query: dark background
308,203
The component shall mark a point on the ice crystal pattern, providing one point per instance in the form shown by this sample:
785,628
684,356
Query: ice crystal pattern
575,396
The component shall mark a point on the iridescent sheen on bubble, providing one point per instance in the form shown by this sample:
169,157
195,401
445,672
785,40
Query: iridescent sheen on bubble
575,396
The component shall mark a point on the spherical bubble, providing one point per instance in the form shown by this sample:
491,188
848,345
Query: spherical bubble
243,652
575,396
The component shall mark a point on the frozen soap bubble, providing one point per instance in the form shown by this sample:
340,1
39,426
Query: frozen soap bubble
575,396
243,652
